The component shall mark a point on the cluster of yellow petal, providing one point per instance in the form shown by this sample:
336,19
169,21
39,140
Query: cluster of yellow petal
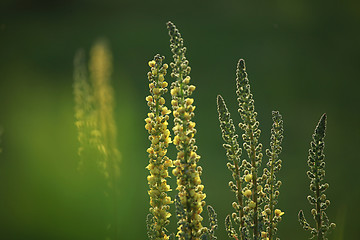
159,135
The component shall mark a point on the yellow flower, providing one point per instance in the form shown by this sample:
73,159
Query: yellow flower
187,80
176,140
152,63
164,84
149,98
189,101
192,88
161,78
174,102
165,111
278,212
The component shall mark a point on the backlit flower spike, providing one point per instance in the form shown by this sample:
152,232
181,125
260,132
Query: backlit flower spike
159,135
316,163
251,145
233,153
271,185
187,172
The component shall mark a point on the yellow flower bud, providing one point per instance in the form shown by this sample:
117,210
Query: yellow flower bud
156,91
252,204
174,91
161,77
248,177
187,80
165,66
161,101
247,193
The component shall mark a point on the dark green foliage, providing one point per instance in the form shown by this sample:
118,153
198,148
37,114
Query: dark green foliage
316,175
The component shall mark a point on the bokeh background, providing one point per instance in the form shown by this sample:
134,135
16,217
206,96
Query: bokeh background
303,59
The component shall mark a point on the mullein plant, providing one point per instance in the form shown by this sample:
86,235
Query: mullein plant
186,170
94,114
94,109
189,202
256,188
256,194
157,126
316,174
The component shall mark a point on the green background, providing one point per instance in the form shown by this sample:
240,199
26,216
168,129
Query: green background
302,58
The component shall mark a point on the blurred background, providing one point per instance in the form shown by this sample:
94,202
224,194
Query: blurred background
302,58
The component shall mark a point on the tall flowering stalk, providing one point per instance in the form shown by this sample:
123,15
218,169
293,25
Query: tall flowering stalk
271,215
250,126
316,163
186,170
94,113
156,124
233,153
100,66
253,191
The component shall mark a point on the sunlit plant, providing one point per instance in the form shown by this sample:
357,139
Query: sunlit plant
256,187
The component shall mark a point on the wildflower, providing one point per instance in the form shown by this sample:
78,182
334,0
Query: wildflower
186,172
156,124
278,212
